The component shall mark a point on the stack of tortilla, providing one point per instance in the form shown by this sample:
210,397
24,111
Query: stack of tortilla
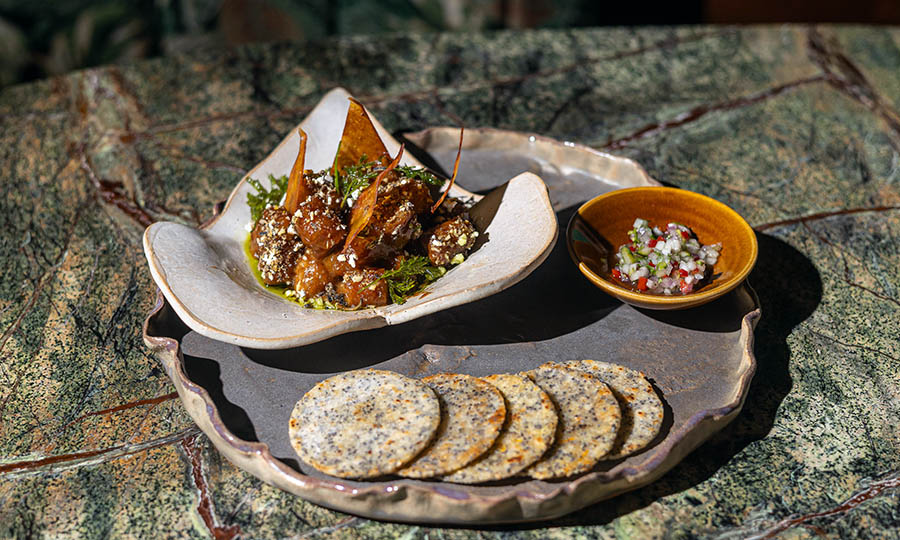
555,421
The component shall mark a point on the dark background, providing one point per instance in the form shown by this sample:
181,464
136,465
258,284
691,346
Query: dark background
40,38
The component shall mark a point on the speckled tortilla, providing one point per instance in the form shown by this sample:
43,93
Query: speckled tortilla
589,419
528,432
642,410
364,424
472,413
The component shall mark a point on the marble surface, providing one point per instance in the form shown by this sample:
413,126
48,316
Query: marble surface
796,128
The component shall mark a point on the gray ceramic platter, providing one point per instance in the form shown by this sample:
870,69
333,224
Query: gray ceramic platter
700,360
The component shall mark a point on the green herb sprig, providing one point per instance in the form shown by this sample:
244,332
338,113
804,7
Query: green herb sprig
354,178
413,274
264,198
419,173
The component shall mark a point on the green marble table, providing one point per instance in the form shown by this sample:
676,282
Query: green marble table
797,128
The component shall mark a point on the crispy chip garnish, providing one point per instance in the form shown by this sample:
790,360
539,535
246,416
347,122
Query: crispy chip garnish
296,189
364,206
359,139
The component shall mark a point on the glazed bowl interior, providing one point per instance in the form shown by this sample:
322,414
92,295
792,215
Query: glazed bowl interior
601,225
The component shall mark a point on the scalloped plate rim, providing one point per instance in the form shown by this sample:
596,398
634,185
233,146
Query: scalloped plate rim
248,453
527,506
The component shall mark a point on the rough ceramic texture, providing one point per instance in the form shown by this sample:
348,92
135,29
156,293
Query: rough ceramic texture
205,275
96,444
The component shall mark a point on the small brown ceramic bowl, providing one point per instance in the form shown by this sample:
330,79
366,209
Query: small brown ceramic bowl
601,225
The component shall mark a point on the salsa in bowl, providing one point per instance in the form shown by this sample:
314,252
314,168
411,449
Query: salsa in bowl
716,248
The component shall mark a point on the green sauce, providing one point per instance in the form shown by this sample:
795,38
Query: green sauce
279,290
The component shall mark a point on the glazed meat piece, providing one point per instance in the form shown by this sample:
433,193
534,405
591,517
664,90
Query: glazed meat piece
310,276
320,186
401,227
319,226
318,217
275,246
360,288
394,221
362,251
278,258
449,239
274,221
399,189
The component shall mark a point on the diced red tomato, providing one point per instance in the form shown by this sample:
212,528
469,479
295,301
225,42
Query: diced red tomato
667,267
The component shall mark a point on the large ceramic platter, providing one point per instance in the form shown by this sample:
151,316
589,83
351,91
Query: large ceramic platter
700,360
205,275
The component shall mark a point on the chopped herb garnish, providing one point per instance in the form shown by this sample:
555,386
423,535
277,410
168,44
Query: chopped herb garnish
265,198
420,173
413,274
354,178
318,302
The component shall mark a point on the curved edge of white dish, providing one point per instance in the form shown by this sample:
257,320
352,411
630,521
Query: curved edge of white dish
205,276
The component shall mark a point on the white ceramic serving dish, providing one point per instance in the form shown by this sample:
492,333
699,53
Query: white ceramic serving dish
206,277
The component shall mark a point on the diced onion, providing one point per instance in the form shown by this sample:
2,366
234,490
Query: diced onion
675,264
